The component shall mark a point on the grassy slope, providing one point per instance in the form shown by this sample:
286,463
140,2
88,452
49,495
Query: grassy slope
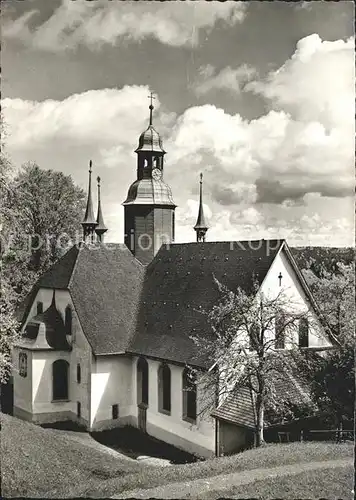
268,456
327,483
41,462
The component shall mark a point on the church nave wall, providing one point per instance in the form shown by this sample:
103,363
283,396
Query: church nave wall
111,385
198,438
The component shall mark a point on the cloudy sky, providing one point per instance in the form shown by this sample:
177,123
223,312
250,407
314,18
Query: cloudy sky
258,96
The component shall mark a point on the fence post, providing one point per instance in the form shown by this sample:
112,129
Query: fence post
301,436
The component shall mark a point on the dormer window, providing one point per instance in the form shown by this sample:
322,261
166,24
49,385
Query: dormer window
68,320
39,307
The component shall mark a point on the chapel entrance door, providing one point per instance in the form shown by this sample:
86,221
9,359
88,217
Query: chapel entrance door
142,416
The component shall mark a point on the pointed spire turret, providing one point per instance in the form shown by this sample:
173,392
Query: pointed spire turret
201,226
89,223
100,228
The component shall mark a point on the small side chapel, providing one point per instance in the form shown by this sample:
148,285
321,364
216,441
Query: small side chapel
106,330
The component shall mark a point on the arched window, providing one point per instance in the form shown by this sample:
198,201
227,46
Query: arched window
164,389
68,320
280,331
303,337
60,379
79,374
39,307
189,396
254,337
173,225
142,381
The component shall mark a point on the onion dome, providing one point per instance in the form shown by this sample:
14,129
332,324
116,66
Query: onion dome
149,192
150,139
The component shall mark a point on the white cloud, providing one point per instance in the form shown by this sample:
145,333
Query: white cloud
287,173
96,23
315,84
228,78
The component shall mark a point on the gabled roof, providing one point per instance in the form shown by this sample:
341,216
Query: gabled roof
238,408
104,283
180,285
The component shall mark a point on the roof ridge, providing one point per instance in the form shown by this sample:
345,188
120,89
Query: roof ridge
79,248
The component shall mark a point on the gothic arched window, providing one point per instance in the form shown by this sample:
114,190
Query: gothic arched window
164,389
39,307
254,337
189,395
79,373
23,364
280,331
68,320
142,381
303,337
60,379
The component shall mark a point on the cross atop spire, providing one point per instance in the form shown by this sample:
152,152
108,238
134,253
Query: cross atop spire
201,226
151,107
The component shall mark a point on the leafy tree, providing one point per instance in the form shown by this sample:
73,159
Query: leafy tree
332,376
37,207
335,294
249,335
8,323
9,331
42,212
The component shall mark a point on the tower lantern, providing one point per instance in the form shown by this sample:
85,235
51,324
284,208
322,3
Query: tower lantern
149,206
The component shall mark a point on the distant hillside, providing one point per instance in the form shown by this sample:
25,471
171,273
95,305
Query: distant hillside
317,258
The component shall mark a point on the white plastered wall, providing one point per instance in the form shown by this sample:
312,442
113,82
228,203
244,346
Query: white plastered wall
34,393
111,384
294,292
196,438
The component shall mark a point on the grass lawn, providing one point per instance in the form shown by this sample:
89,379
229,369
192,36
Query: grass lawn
272,455
48,463
328,483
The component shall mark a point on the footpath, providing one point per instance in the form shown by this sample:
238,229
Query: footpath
198,487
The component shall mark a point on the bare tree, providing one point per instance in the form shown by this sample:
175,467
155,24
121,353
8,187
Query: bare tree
247,348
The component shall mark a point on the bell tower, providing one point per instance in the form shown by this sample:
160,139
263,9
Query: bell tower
149,206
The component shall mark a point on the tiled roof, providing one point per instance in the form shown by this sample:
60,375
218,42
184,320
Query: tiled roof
58,276
105,289
238,407
104,283
179,286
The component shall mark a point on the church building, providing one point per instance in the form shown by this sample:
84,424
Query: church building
106,331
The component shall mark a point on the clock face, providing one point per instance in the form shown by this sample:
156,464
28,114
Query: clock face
156,174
